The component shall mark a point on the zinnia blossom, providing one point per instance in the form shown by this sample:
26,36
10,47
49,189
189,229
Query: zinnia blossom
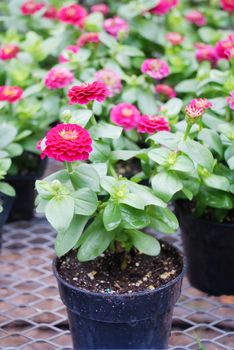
88,38
10,94
73,14
30,7
222,47
155,68
58,78
8,52
66,143
125,115
50,13
175,38
103,8
197,107
64,56
110,79
116,26
163,7
230,53
230,100
87,92
151,123
206,53
227,5
196,17
165,90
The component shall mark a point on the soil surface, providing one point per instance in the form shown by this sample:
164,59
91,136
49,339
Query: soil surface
105,275
129,168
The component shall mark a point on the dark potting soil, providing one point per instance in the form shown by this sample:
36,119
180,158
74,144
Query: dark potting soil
104,274
129,168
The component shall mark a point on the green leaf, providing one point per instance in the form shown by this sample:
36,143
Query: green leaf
184,165
85,201
145,195
7,189
66,240
109,184
163,220
82,117
59,212
108,40
166,184
211,139
87,176
23,135
146,101
145,243
218,182
215,198
32,90
124,155
198,153
167,139
101,152
186,86
14,149
131,51
112,216
105,130
7,134
159,155
133,218
173,107
96,240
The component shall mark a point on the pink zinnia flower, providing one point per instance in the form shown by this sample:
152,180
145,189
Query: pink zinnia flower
10,94
206,53
196,17
51,13
151,123
201,102
63,57
66,143
110,79
88,38
30,7
58,78
197,107
116,26
230,100
73,14
227,5
155,68
222,47
86,92
175,38
103,8
125,115
8,52
163,7
165,90
230,53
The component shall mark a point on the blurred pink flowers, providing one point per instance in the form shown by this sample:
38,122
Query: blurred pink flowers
174,38
163,7
125,115
73,14
87,92
230,100
166,90
64,56
196,17
10,94
151,123
8,52
116,26
110,79
58,78
155,68
88,38
103,8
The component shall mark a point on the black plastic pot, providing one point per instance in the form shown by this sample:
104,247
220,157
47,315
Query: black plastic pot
127,321
209,248
7,203
24,185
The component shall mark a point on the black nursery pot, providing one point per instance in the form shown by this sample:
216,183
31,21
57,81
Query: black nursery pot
209,248
7,203
112,321
24,185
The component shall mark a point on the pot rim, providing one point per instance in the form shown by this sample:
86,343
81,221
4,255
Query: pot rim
214,223
126,295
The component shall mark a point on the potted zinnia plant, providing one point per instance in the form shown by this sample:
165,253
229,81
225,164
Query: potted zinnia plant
194,167
119,283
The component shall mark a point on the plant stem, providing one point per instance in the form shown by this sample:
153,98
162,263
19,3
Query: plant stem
188,128
70,171
69,167
112,171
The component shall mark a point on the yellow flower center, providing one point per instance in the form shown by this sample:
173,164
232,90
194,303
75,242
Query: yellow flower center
8,49
71,12
69,135
155,65
109,80
9,92
127,112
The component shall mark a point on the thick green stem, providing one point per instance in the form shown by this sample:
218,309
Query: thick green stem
70,171
188,128
112,171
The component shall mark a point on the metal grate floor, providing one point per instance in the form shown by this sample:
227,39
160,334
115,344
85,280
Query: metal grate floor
32,316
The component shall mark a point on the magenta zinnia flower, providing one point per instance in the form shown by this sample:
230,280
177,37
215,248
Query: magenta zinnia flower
66,143
163,7
51,13
8,52
116,26
103,8
73,14
197,107
174,38
222,47
151,123
58,78
227,5
10,94
30,7
110,79
125,115
166,90
155,68
230,100
88,38
87,92
206,52
196,17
